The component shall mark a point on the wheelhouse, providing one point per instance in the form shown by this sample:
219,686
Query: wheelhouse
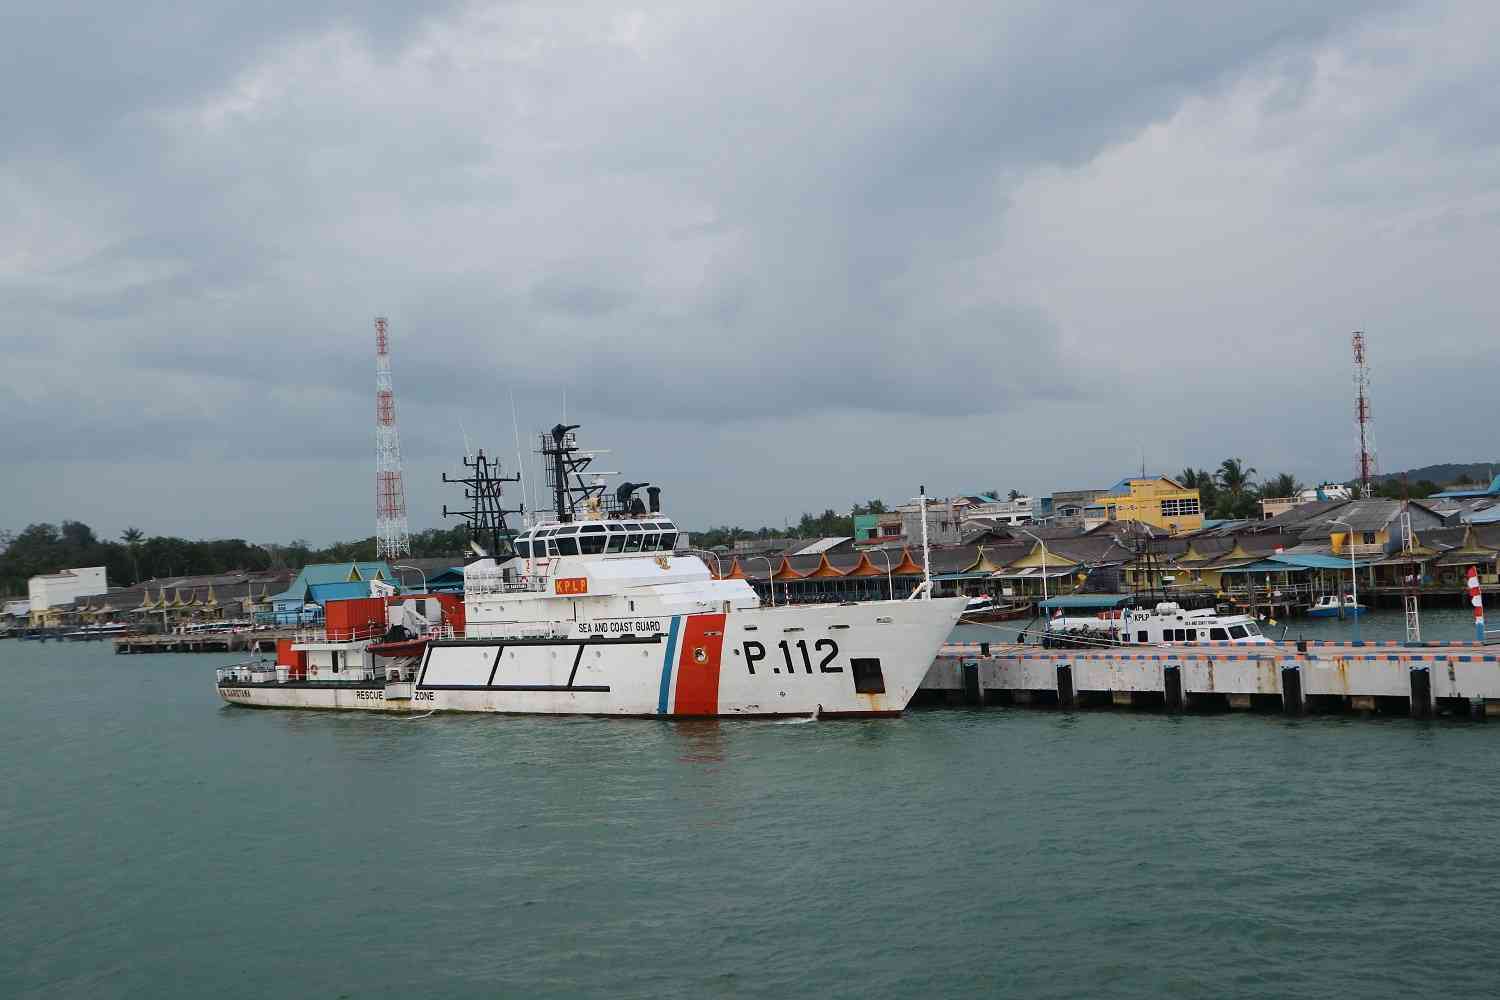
592,538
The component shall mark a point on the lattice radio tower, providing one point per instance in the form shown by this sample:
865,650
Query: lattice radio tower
1362,414
392,539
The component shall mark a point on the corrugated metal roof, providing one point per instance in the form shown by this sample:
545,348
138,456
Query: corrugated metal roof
1094,601
1311,560
324,592
1287,563
822,545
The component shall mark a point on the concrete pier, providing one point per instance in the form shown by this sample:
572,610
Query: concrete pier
1422,680
263,641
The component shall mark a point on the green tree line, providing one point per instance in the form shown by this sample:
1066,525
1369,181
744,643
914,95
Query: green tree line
47,548
1232,491
829,524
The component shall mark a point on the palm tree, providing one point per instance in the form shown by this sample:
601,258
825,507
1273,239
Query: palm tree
1237,481
1284,485
1234,477
132,539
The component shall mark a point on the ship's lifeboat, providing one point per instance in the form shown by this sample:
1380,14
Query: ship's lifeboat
398,642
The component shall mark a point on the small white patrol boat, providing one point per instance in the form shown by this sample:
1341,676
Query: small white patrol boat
1334,606
596,613
1165,624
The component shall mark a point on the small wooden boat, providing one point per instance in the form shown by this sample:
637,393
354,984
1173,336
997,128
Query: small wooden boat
985,609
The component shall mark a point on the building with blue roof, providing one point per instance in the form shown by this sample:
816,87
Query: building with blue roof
1493,490
302,603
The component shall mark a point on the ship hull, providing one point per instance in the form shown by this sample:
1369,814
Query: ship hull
837,660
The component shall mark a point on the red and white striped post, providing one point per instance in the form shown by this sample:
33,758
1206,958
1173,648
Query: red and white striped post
1476,598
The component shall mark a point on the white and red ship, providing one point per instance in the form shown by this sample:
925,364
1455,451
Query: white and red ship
596,612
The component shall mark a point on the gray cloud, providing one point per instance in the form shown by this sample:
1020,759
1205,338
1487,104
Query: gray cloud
787,255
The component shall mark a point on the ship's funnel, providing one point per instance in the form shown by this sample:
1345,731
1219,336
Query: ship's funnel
654,493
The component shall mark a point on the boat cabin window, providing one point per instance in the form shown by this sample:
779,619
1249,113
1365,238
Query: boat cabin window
649,545
591,539
1141,636
1218,634
1254,628
1192,635
523,548
616,538
633,541
668,541
1237,632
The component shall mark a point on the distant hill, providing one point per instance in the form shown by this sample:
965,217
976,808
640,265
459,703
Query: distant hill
1446,473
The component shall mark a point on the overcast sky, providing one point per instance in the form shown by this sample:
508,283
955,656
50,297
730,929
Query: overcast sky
779,257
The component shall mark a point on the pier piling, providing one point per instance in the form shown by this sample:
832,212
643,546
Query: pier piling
1066,696
1292,700
1420,680
973,693
1171,678
1421,693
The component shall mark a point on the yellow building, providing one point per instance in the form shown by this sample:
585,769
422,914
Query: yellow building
1158,501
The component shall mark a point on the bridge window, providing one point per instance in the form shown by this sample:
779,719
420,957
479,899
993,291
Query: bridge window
668,541
591,539
633,541
649,545
523,548
566,546
1237,632
616,538
1217,634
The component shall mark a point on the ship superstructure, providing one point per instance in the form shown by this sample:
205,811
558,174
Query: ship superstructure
596,609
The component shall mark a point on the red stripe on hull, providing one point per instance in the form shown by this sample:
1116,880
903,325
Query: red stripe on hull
698,665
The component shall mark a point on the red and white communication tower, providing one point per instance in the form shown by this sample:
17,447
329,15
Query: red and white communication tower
1362,414
392,539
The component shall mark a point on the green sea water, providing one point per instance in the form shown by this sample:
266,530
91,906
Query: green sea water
155,843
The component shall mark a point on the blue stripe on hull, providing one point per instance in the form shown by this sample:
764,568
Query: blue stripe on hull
666,667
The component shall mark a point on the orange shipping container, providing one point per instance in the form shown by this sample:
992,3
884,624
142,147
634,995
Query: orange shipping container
286,656
358,617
